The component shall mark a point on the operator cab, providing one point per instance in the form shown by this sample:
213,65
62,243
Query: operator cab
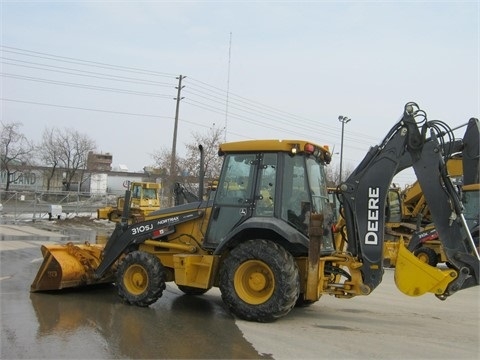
283,180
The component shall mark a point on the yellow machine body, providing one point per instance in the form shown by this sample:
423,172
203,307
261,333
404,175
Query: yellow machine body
267,236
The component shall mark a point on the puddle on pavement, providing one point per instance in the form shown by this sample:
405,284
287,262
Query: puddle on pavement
176,326
77,235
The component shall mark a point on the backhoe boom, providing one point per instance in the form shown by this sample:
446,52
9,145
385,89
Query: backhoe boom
364,193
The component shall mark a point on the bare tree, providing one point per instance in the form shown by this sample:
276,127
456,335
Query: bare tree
15,151
72,149
162,159
188,169
333,175
212,162
49,153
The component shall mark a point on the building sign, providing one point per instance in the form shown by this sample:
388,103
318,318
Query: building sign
19,178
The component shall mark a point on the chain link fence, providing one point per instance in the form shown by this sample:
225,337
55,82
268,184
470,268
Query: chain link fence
38,205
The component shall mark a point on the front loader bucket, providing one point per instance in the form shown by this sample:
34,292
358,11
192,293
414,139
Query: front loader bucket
414,277
69,265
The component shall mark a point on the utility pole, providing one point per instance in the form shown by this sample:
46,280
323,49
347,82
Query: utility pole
343,120
173,173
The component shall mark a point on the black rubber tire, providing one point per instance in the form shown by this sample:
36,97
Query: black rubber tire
259,281
114,215
302,303
140,279
190,290
427,255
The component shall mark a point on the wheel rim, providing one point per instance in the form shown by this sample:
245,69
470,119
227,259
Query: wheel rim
422,257
254,282
135,279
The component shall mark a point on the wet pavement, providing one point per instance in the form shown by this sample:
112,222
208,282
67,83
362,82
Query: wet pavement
92,322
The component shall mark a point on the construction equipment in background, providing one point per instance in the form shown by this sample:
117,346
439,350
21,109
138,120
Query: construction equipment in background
145,198
266,235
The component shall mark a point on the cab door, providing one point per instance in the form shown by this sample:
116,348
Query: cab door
234,198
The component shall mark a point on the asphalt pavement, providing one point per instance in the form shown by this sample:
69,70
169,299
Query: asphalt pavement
92,323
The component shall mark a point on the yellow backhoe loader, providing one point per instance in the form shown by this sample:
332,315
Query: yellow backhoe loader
266,235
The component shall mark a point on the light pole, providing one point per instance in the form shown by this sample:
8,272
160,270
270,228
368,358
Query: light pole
343,120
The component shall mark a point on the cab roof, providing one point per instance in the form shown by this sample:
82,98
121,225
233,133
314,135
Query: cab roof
267,145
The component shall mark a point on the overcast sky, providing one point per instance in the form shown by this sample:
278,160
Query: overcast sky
284,69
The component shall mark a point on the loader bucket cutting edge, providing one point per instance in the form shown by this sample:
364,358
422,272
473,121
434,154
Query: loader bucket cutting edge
66,266
414,277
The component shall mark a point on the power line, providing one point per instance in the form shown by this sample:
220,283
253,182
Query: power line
326,127
83,86
104,111
77,61
86,109
84,73
204,96
244,118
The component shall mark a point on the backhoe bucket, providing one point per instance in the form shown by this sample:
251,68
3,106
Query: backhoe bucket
69,265
414,277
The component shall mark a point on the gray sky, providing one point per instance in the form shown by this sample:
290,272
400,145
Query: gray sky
109,69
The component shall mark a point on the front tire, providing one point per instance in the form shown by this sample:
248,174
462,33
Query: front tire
140,279
259,281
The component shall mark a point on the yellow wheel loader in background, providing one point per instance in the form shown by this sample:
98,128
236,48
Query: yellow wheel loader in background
266,235
145,198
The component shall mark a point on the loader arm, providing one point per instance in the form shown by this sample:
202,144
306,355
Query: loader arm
125,235
363,196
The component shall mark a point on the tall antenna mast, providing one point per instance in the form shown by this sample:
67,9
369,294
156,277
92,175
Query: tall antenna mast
228,87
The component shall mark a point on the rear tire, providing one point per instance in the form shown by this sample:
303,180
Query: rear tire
427,255
259,281
140,279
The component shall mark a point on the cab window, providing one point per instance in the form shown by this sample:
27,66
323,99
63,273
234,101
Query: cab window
234,188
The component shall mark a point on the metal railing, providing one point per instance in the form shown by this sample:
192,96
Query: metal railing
32,205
